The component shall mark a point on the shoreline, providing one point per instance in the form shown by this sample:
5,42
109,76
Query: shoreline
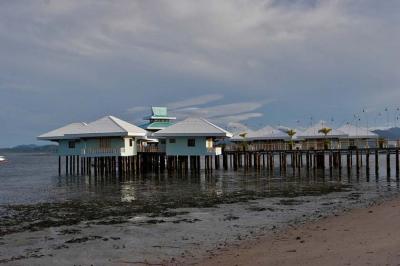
188,235
361,236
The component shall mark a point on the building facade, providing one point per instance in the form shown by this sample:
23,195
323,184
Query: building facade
192,137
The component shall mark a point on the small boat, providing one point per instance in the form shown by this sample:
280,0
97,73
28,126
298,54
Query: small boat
3,159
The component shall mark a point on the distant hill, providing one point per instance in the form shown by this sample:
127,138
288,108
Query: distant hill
390,133
31,148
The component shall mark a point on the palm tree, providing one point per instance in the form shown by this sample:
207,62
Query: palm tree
325,131
291,133
244,143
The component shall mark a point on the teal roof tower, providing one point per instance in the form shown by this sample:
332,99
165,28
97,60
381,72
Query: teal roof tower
158,120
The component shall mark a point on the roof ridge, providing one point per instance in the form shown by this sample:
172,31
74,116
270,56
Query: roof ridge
113,118
212,124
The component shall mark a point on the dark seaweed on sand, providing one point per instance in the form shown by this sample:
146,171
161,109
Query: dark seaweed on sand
19,218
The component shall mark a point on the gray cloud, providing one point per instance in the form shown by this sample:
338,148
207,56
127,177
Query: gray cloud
204,99
219,110
193,107
76,60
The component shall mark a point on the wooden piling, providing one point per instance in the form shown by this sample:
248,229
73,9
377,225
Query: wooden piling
59,165
388,164
376,163
397,164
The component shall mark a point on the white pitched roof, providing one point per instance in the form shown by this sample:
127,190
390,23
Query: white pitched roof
357,132
193,127
236,136
313,132
59,133
109,126
268,133
106,126
298,131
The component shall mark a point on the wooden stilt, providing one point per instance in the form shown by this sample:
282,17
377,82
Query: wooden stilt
397,164
59,165
388,165
377,164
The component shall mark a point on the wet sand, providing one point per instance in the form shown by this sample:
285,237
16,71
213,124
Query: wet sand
364,236
177,236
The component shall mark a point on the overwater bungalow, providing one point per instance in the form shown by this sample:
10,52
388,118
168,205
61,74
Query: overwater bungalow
321,136
269,138
192,137
358,137
265,139
107,136
158,120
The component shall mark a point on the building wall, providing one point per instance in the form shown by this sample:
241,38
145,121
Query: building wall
64,150
180,147
91,147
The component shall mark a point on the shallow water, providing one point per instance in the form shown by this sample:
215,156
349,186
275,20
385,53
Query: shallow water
30,178
36,203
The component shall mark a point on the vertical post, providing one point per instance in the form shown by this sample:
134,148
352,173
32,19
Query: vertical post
70,164
88,166
95,166
315,160
198,163
388,164
367,163
77,164
294,160
358,161
376,163
82,166
348,164
216,159
339,163
59,165
272,164
397,163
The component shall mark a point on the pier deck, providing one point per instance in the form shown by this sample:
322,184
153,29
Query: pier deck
234,160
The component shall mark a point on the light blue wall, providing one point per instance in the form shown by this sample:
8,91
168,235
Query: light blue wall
64,150
181,147
94,143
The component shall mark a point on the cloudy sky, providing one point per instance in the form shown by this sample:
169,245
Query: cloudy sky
251,62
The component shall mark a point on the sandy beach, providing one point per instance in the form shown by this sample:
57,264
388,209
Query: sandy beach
365,236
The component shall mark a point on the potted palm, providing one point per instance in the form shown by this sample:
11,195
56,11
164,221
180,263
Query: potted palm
325,131
291,133
381,142
244,143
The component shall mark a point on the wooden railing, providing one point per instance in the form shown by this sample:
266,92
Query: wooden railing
214,149
257,147
149,149
305,145
105,151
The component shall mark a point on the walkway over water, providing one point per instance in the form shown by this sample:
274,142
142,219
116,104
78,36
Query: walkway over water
368,158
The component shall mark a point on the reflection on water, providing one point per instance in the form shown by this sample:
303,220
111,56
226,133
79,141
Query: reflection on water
32,178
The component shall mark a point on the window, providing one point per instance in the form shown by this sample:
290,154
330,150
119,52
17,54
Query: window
71,144
105,143
172,140
163,141
209,143
191,142
130,142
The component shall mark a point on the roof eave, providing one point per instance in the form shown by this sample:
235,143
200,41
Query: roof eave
94,135
192,135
